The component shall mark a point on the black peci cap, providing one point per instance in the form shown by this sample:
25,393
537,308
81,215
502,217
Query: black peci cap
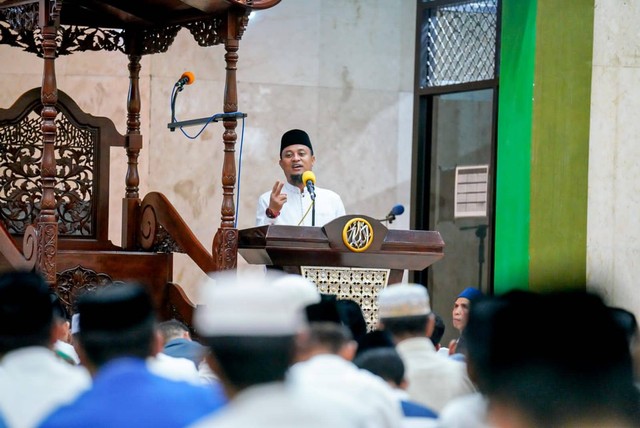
25,304
295,136
114,307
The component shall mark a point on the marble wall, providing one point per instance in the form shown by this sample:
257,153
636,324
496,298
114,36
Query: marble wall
340,69
613,238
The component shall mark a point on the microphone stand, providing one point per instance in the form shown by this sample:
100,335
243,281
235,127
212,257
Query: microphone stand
313,212
481,234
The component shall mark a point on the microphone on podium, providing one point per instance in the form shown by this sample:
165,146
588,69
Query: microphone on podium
309,179
395,211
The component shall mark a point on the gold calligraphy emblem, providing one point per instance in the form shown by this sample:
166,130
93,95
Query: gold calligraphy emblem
357,234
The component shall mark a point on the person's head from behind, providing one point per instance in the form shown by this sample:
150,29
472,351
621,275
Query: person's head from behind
404,311
115,321
461,306
250,327
383,362
352,317
540,379
26,311
327,337
296,155
173,329
346,313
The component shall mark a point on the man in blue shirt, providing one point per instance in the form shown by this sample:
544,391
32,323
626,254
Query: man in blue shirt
116,335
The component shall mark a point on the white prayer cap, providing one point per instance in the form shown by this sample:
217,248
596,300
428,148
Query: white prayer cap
403,300
233,304
300,288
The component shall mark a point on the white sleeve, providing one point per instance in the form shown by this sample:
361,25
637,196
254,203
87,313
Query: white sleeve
261,216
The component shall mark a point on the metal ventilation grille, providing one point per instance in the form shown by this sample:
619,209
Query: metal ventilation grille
458,43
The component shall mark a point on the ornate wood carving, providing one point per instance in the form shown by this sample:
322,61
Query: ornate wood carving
71,283
164,242
47,247
225,249
21,184
206,33
30,244
153,235
19,31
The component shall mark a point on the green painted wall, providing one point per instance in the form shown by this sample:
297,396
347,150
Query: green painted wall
511,261
543,144
560,144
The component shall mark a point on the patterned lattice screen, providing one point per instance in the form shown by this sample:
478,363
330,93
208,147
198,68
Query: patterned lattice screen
458,43
20,183
358,284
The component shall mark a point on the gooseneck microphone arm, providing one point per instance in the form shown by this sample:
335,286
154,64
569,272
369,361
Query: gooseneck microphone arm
187,78
395,211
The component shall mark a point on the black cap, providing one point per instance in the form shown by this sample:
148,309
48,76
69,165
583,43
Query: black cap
326,310
295,136
114,307
375,339
25,304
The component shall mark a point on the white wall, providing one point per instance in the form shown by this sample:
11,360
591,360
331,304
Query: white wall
613,238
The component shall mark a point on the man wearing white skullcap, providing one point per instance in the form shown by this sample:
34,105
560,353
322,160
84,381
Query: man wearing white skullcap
404,311
251,326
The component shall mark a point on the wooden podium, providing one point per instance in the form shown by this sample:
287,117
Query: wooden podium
352,257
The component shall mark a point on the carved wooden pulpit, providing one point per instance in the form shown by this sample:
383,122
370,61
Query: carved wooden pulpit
54,163
352,257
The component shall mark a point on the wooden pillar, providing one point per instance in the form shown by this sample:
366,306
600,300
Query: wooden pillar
225,243
131,201
47,222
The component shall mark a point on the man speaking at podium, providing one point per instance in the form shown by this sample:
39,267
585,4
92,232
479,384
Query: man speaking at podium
297,201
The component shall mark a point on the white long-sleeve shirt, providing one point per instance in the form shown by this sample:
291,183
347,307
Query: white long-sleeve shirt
328,207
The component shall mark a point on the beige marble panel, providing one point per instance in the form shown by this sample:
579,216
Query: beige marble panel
603,156
281,45
613,232
360,130
616,39
206,63
20,72
365,44
404,158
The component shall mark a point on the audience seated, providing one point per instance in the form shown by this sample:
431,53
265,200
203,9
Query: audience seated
325,364
177,342
405,313
251,327
125,393
386,363
536,379
33,381
285,357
